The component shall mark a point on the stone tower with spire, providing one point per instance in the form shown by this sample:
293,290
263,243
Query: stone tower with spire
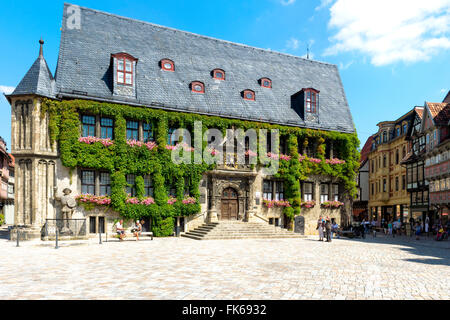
30,145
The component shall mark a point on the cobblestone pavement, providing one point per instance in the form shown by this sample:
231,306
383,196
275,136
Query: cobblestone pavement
181,268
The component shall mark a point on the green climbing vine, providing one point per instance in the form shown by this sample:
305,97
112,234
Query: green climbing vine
120,159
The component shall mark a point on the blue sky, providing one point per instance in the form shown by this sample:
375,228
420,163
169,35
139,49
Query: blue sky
392,55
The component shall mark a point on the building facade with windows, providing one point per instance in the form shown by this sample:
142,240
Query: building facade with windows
6,184
126,86
388,197
435,129
414,162
361,202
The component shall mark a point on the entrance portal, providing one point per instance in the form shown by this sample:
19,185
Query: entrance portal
229,210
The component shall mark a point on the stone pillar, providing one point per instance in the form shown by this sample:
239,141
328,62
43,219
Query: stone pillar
249,216
212,212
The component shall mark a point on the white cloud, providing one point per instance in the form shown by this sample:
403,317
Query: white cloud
443,90
390,31
292,44
323,4
343,66
6,89
287,2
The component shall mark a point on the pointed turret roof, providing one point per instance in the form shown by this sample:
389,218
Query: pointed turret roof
38,80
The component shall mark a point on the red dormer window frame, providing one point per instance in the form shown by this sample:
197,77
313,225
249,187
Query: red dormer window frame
163,63
262,80
197,83
311,99
122,59
245,92
216,71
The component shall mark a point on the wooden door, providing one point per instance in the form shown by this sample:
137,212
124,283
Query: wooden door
229,210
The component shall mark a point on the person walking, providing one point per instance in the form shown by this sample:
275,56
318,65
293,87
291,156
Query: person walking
390,228
417,230
427,225
328,229
411,226
320,228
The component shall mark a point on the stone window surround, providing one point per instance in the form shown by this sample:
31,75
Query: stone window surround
96,179
97,223
98,126
331,194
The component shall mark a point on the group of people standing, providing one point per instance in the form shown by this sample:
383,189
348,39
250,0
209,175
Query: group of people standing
326,227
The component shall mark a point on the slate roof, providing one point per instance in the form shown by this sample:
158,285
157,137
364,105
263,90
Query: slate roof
38,80
84,71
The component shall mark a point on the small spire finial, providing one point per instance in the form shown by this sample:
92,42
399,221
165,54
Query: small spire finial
307,52
41,50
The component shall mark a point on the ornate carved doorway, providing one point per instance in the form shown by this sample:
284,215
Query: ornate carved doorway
229,205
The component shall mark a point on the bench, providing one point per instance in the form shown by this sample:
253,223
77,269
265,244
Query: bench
130,235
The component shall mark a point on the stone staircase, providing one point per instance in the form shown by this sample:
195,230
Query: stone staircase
238,230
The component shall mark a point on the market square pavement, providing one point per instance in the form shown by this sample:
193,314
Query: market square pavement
182,268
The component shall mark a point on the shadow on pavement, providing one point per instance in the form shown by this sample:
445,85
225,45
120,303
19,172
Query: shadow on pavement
426,247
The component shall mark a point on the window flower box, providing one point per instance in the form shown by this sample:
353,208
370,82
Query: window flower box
171,200
93,199
135,143
145,201
331,204
189,200
308,204
334,161
277,203
90,140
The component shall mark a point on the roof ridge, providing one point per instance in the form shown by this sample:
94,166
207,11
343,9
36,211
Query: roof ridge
199,35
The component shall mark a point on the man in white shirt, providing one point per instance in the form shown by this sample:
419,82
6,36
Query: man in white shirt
120,230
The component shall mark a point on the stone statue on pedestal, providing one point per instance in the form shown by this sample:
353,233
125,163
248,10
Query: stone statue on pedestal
68,203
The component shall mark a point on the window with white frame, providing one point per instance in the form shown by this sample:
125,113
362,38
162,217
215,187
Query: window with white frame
323,192
307,191
279,190
88,182
105,184
268,190
335,192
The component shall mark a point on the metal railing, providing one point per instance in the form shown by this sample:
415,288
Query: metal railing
66,228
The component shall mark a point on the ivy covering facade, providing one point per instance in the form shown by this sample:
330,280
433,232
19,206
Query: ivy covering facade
121,158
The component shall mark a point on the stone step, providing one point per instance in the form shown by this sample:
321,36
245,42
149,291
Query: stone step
238,230
226,237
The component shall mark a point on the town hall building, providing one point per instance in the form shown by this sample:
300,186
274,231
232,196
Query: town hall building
101,129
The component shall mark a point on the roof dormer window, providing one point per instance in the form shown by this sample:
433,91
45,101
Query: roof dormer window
265,83
125,65
311,100
218,74
198,87
248,95
167,65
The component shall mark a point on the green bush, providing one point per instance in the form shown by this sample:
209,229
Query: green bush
2,219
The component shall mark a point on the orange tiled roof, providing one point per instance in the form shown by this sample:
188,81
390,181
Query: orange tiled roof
366,149
440,112
419,111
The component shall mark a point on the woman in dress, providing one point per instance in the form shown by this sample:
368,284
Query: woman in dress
320,228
